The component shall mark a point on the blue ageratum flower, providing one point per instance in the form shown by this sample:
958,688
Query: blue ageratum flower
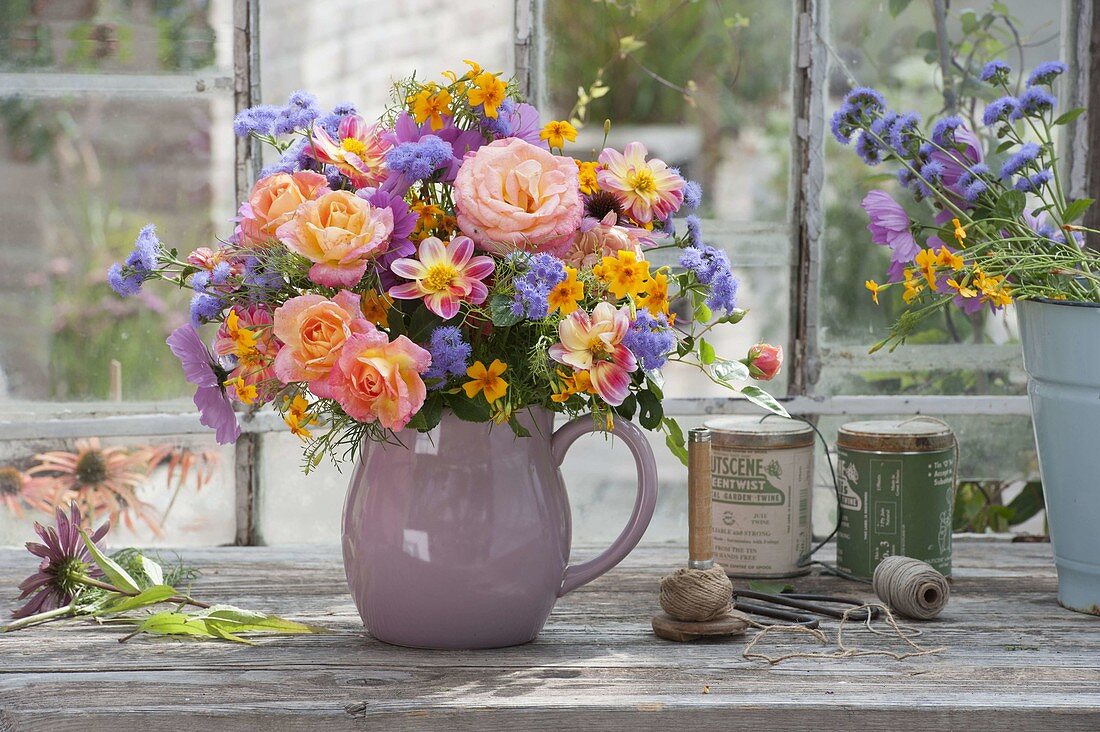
1035,181
1035,101
419,160
259,120
543,273
126,278
693,195
450,354
943,132
1046,73
1022,158
694,230
861,105
1001,110
904,132
972,181
298,114
711,267
995,72
204,308
650,339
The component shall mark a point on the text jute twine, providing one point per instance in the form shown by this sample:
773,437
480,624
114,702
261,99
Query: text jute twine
697,595
911,587
842,650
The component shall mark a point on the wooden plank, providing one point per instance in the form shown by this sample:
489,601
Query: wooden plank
1014,660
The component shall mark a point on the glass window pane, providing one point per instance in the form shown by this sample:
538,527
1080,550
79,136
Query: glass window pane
157,492
81,176
135,37
897,56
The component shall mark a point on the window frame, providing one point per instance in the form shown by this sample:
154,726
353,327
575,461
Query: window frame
804,232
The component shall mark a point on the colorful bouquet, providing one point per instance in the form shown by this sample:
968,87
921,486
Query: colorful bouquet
997,235
448,256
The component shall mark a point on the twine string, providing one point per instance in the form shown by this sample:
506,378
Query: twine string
697,595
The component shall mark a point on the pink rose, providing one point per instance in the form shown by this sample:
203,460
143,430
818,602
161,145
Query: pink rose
273,201
340,233
764,361
598,239
313,330
511,195
379,379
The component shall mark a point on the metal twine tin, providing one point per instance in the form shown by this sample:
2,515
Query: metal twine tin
897,490
762,485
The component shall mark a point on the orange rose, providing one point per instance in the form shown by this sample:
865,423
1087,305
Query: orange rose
313,330
273,201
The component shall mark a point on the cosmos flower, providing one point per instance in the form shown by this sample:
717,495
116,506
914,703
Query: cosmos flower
65,557
200,368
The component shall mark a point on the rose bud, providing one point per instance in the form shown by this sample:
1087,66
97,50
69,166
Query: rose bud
764,361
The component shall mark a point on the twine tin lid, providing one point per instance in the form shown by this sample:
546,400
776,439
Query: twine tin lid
752,432
908,435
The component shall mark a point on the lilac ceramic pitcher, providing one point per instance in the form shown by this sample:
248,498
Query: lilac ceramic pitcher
460,538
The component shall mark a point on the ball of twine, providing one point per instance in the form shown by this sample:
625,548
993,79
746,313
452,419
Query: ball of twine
696,595
911,587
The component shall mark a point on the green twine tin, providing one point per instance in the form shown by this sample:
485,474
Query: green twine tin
897,491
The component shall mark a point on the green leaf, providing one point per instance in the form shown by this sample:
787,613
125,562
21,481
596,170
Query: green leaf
1027,503
118,576
1005,145
628,45
756,395
927,41
468,410
170,622
706,352
650,410
247,621
629,406
703,314
675,439
729,371
518,429
152,570
969,20
1076,209
500,309
1011,204
145,598
897,7
422,323
430,413
1069,116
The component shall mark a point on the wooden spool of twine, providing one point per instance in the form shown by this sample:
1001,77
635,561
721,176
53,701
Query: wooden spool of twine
911,587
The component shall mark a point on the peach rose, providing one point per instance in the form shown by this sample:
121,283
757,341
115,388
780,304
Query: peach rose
511,195
273,201
595,240
379,379
340,233
313,330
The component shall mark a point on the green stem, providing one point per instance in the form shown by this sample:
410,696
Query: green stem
184,599
43,617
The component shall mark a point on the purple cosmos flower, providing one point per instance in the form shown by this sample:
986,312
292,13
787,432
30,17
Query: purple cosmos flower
1034,101
404,223
650,339
64,557
1045,73
995,72
543,273
515,120
890,226
200,369
450,354
1025,156
1001,110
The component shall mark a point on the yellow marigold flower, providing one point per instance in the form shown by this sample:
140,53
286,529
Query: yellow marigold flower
960,232
431,104
949,259
486,380
579,382
586,176
926,262
298,418
475,68
245,393
557,132
376,307
962,289
567,293
624,273
875,288
244,339
656,293
992,288
488,92
913,287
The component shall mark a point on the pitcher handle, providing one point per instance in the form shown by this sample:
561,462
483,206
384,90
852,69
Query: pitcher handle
581,574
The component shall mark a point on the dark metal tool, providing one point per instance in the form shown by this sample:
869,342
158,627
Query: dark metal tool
786,606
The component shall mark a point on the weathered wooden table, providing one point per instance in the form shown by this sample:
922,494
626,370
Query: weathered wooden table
1015,660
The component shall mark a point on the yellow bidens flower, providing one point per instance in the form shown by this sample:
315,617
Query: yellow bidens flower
488,91
656,293
376,307
298,418
960,232
431,104
566,294
624,273
579,382
486,380
557,132
586,176
875,289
